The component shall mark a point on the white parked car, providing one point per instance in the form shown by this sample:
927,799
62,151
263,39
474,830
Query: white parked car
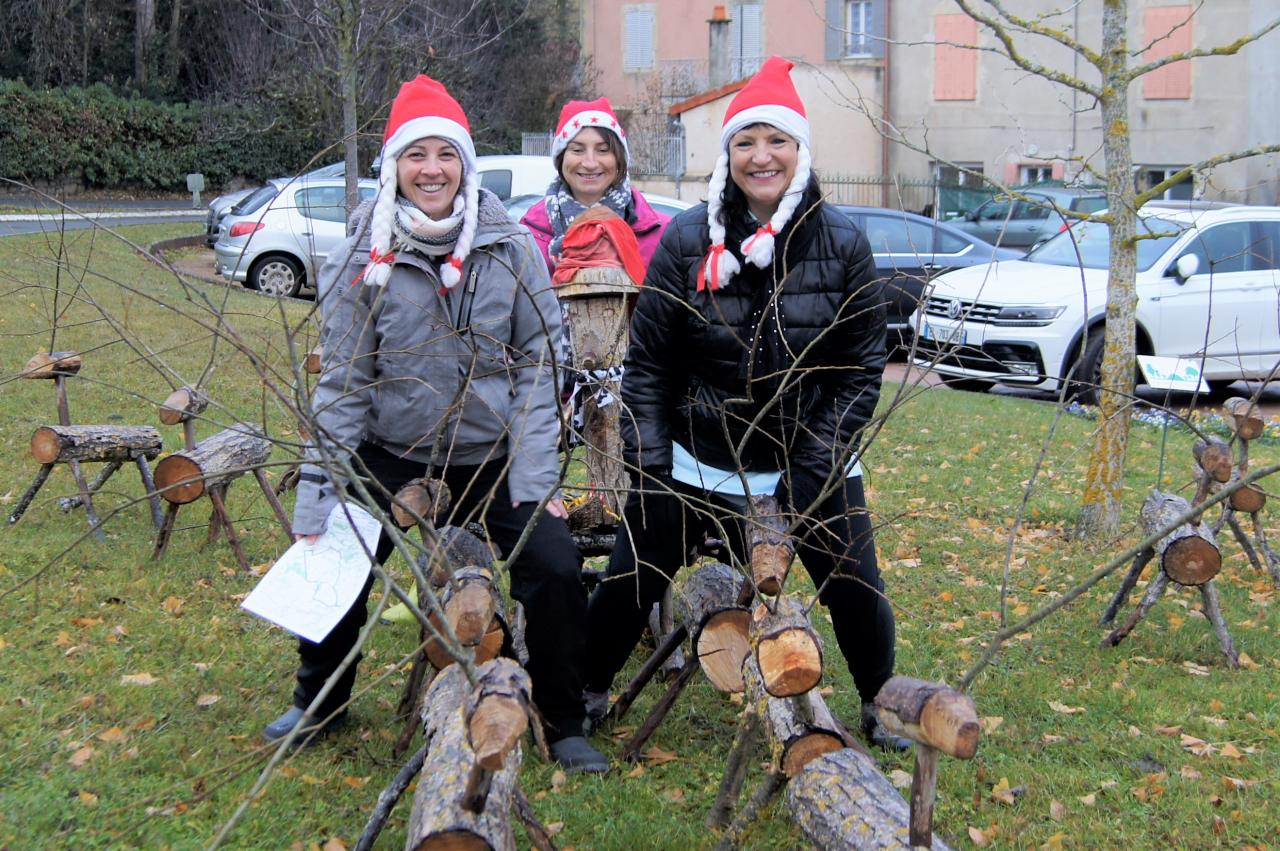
508,175
1207,285
277,238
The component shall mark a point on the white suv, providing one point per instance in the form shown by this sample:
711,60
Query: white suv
1207,284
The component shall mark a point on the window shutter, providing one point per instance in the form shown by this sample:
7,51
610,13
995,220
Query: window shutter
637,39
747,37
833,41
876,29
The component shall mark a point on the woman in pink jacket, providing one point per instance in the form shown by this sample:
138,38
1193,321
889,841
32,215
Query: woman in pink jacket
590,153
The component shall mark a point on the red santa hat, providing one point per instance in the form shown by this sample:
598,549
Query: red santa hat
768,98
422,108
578,115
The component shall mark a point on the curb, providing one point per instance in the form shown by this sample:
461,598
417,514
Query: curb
194,215
159,248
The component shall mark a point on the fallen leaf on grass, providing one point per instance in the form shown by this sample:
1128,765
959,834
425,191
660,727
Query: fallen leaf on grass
1189,773
657,756
1219,824
1247,662
289,771
982,837
1054,843
991,723
173,605
674,796
1090,799
899,778
1194,669
1064,709
554,827
1212,721
1230,752
558,779
1235,784
312,780
84,621
81,757
63,639
1003,794
208,699
1057,811
1134,731
112,734
638,771
355,782
87,798
142,679
1051,738
1167,731
334,844
1199,747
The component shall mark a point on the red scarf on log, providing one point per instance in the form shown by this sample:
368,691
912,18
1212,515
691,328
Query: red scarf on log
597,239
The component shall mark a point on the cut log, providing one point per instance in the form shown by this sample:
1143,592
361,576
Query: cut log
772,549
182,405
216,461
930,713
710,606
472,604
439,819
65,443
843,803
1214,457
426,498
1244,418
800,729
787,647
1249,499
313,361
458,548
52,365
1189,554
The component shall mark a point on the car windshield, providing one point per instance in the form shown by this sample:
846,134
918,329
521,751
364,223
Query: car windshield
1087,244
255,201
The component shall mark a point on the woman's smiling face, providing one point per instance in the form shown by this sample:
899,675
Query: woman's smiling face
590,166
762,162
429,173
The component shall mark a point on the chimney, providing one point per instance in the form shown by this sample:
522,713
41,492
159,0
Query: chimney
719,51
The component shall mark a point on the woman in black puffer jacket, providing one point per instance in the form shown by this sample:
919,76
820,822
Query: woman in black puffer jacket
757,345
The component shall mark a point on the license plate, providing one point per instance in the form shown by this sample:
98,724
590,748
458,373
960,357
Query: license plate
946,335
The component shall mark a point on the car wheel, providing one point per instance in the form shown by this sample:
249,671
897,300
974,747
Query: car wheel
277,275
973,385
1085,378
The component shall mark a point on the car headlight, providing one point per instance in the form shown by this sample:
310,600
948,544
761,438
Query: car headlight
1028,315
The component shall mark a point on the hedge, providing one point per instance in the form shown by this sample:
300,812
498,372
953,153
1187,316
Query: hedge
98,139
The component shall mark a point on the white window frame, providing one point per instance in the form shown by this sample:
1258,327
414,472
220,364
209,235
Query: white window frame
963,178
1165,171
1029,173
636,15
857,33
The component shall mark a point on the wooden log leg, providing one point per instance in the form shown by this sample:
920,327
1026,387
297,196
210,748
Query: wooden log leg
771,786
632,749
1140,561
924,783
1154,590
67,503
420,678
1243,540
646,672
387,799
165,531
1223,519
220,508
288,480
666,625
149,482
1273,561
24,501
539,838
1213,611
87,500
735,770
276,507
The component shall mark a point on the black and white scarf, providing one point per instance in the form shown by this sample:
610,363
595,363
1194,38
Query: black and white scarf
563,208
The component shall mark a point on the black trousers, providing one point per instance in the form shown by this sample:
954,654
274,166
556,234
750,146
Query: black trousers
836,546
546,577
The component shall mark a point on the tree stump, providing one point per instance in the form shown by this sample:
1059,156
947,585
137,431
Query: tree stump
440,818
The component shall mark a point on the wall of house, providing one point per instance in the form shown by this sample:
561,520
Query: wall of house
1007,117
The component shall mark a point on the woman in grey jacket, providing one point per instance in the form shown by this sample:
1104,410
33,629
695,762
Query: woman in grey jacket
438,317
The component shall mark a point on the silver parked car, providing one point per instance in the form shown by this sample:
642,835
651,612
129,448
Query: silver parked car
1031,219
277,238
219,207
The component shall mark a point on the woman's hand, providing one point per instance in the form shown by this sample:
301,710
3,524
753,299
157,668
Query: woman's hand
554,507
310,539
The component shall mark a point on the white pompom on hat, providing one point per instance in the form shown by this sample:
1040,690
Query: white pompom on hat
422,108
579,115
768,98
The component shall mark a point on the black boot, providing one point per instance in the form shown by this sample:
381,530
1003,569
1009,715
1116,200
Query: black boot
876,734
282,726
596,704
575,754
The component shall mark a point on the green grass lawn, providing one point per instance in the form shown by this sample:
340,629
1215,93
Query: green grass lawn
1155,743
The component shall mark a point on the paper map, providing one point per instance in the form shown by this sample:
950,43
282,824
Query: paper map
311,586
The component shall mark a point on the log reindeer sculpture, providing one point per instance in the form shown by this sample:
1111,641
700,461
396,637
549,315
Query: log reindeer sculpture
1187,556
207,468
1247,425
64,443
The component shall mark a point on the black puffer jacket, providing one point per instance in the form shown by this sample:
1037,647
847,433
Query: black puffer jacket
779,370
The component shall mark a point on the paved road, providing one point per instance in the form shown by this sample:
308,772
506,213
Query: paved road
1270,401
15,224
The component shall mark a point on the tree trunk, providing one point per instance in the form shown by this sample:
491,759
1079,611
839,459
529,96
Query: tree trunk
1100,509
173,47
843,803
61,444
144,28
348,21
438,818
214,462
800,729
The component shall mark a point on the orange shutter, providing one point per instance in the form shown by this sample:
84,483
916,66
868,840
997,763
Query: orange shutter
955,69
1168,30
